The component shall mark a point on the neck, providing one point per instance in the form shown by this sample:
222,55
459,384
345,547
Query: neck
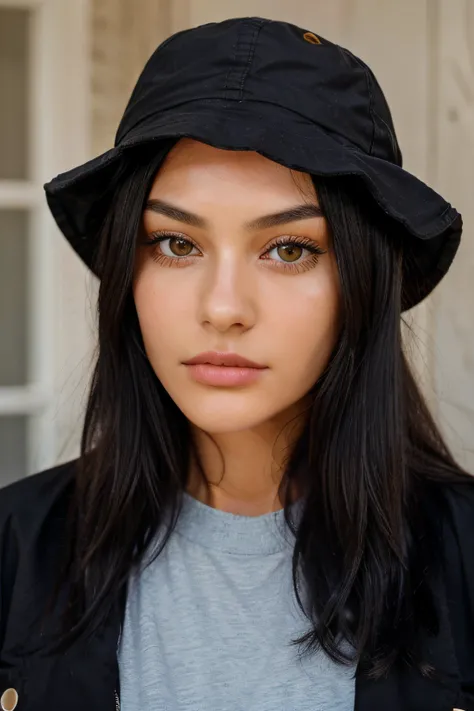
243,470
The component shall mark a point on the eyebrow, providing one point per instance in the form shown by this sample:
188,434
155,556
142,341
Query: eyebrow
298,212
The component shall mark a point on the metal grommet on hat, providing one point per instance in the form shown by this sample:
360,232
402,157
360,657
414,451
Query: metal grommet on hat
320,112
311,37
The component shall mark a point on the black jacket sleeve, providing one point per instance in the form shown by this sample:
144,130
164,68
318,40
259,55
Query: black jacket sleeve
459,580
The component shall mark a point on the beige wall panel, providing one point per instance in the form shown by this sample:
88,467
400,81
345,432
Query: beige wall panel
453,325
319,16
124,34
62,140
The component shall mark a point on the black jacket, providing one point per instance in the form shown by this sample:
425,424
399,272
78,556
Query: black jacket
32,518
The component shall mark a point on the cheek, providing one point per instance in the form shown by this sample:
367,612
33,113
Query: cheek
162,306
307,321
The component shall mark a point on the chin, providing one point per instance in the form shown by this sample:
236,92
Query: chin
220,415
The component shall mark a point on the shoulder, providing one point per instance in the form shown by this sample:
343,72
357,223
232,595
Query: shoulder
459,499
460,505
33,512
455,526
456,552
27,502
451,505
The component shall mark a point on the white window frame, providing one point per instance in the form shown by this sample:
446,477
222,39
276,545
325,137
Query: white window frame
59,333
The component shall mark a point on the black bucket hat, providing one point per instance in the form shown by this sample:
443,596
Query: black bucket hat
293,96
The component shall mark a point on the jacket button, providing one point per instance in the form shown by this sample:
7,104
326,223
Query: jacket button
9,700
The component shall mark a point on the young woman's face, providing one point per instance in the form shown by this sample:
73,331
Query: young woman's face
231,279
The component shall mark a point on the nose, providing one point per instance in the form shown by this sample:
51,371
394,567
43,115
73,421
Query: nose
228,297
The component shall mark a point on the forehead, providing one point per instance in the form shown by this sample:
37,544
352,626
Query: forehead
193,166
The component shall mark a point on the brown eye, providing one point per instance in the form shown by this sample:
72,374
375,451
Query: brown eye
290,252
180,247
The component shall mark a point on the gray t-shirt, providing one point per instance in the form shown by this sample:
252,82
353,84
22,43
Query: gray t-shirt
208,624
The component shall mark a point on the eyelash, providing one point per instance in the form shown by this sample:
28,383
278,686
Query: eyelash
303,242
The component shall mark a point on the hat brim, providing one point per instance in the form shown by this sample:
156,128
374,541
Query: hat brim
77,196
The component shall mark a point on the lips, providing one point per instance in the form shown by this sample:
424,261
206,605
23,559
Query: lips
224,370
230,360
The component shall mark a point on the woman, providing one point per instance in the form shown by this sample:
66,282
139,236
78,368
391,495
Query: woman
263,513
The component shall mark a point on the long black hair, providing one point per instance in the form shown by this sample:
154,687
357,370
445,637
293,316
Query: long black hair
368,460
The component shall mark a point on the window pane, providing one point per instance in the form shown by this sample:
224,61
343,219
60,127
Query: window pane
14,59
13,297
13,448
